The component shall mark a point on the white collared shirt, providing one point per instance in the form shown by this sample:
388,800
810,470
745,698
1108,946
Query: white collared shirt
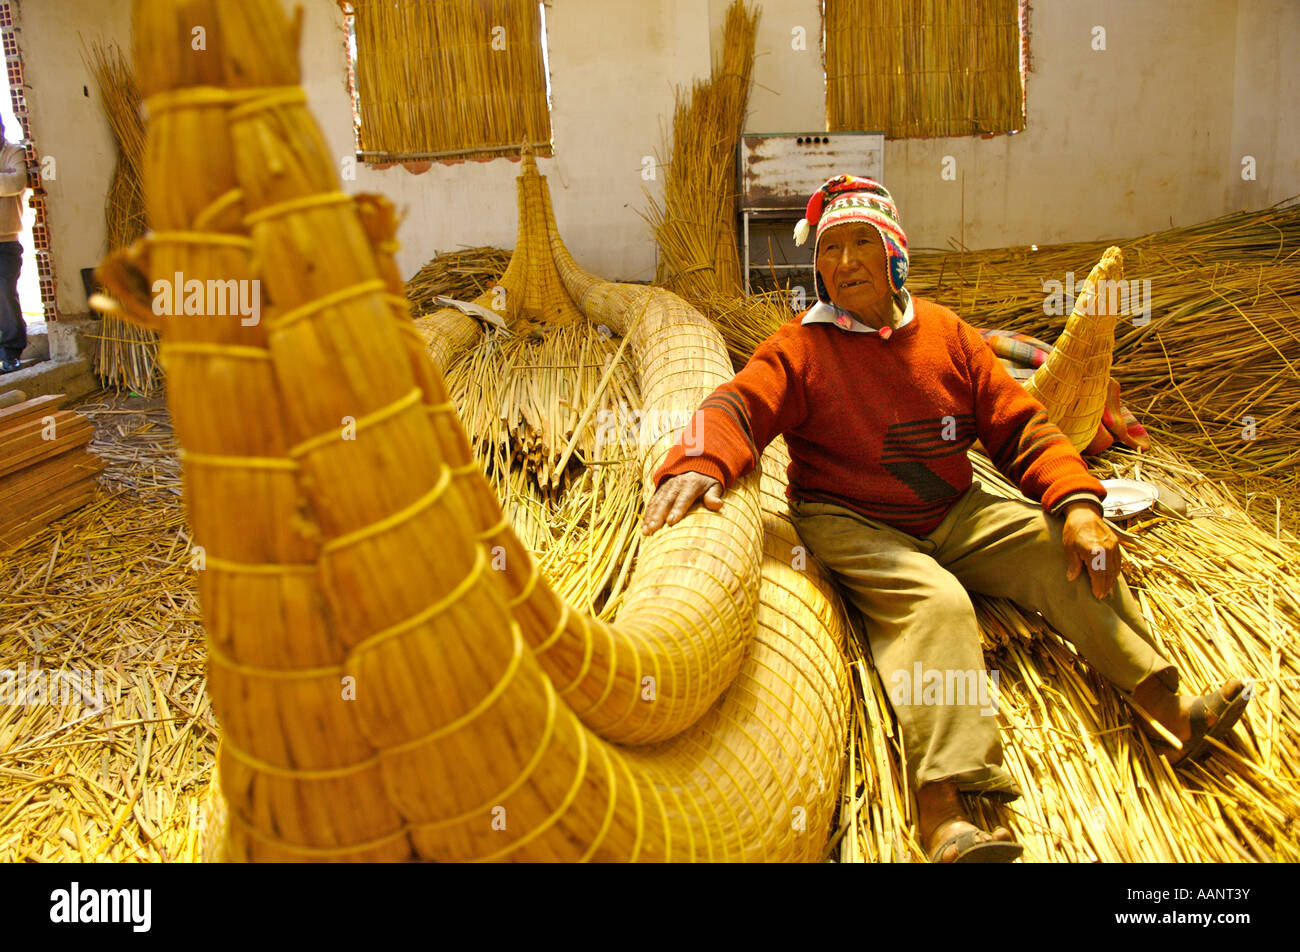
822,313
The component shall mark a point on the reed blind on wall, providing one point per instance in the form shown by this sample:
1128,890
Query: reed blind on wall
449,78
912,68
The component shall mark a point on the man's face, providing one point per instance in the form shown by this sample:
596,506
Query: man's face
852,264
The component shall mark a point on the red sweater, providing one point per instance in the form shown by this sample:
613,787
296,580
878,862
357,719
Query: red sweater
881,425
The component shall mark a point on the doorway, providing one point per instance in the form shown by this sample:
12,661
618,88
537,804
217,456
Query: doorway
36,289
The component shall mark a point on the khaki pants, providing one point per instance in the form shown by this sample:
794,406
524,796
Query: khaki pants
921,625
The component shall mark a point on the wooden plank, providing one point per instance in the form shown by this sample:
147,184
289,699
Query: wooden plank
33,423
27,409
22,455
21,490
58,504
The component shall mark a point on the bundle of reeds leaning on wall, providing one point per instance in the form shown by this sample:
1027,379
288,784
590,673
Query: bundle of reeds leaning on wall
696,224
127,357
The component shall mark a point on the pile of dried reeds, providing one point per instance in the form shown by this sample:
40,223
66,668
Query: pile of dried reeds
556,423
128,355
462,275
108,753
450,79
932,69
696,225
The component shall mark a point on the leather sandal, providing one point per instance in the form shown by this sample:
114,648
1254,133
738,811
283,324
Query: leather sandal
971,849
1227,714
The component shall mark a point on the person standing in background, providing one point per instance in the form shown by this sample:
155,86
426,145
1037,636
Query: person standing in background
13,183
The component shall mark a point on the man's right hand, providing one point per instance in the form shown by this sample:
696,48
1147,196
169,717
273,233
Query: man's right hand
676,495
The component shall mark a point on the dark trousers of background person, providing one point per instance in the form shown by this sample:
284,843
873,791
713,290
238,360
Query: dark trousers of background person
13,329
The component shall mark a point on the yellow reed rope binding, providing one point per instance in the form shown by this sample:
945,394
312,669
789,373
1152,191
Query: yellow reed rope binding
324,852
517,640
429,612
554,636
297,773
609,810
259,568
639,807
490,531
223,202
207,349
237,462
527,590
199,238
333,299
588,652
409,399
271,97
612,654
579,775
303,204
277,674
199,96
524,773
390,521
333,773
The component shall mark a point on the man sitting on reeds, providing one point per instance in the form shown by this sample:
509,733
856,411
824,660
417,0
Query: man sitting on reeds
879,395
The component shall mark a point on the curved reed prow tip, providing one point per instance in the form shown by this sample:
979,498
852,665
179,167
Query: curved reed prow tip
1111,265
123,275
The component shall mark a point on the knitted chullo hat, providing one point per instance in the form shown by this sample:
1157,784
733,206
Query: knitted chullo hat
846,198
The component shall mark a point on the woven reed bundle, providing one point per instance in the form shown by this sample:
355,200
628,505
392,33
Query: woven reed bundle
1073,383
358,564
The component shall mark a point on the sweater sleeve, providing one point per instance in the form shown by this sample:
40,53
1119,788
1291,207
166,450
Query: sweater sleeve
728,433
1023,444
13,170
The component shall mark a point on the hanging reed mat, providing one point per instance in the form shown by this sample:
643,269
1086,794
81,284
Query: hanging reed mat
359,573
450,78
924,69
128,354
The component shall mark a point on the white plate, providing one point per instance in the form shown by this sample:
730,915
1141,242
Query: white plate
1127,497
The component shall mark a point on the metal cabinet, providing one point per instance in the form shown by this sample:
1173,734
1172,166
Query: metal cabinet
778,172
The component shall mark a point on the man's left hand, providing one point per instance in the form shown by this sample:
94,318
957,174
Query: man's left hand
1090,543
